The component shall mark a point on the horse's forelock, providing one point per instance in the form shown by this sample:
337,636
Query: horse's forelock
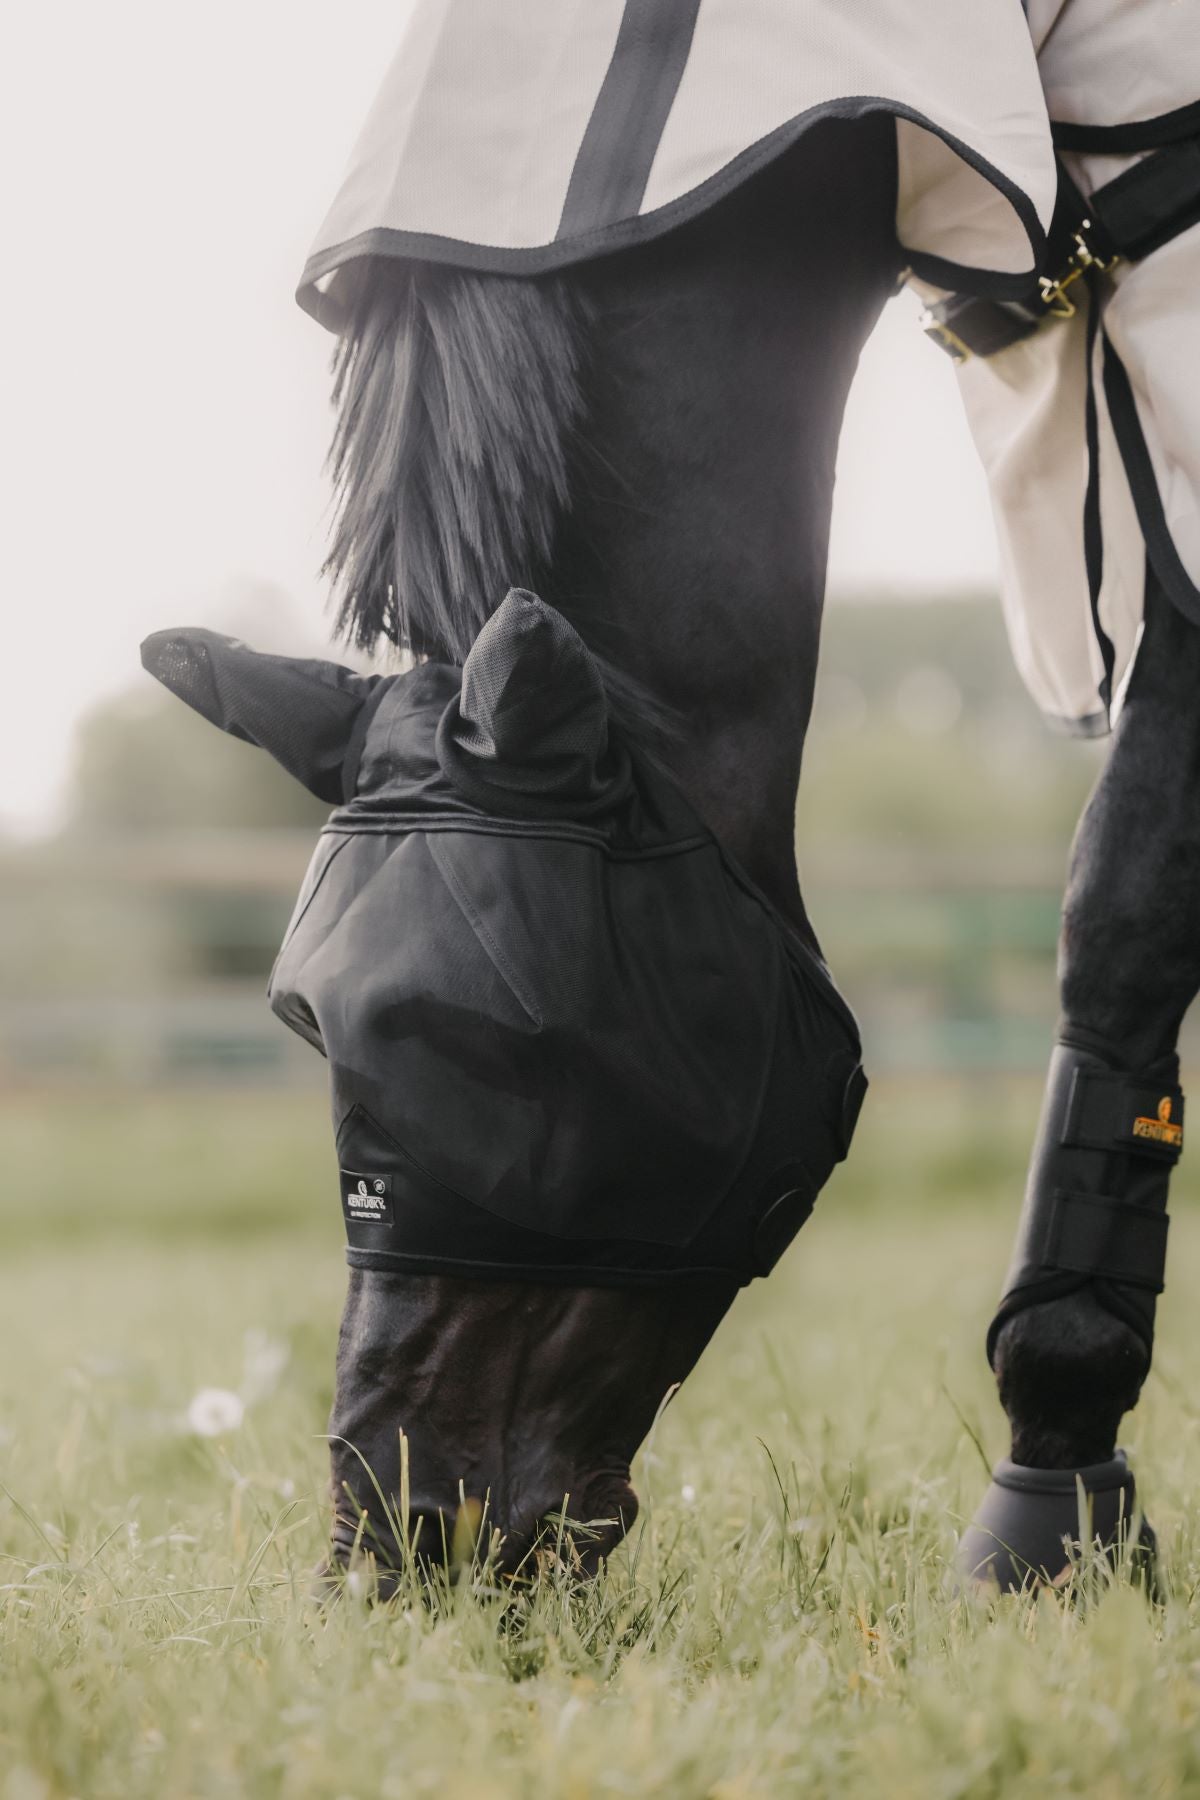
457,396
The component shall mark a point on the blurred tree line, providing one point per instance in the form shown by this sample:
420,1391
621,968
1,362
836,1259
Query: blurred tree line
924,738
144,763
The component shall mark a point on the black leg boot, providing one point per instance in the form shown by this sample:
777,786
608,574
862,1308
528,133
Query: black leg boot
1072,1338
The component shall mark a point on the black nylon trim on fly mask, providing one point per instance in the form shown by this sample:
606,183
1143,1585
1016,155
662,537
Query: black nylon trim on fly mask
612,165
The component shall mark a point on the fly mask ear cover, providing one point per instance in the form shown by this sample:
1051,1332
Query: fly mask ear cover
310,715
568,1039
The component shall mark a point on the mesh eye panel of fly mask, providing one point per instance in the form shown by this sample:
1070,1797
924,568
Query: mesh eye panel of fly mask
568,1039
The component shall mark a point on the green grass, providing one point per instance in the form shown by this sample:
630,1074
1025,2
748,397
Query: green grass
780,1623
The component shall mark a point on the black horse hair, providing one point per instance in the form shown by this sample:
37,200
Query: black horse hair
456,395
460,407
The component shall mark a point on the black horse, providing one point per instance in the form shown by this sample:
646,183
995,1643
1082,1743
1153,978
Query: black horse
648,440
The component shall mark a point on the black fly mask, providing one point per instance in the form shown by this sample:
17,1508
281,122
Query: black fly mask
568,1039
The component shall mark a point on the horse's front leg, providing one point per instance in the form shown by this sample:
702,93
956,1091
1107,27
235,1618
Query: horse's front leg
1071,1342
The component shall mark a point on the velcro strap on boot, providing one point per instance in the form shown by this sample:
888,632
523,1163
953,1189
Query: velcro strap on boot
1112,1112
1117,1240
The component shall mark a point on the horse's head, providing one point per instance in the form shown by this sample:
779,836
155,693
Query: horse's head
583,1084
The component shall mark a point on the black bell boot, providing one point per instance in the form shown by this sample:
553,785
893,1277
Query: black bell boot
1033,1523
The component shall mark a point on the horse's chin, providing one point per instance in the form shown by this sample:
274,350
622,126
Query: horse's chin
502,1416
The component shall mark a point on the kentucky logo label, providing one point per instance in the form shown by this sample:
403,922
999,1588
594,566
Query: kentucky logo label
366,1199
1161,1130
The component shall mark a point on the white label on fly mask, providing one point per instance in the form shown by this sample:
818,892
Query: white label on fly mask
366,1199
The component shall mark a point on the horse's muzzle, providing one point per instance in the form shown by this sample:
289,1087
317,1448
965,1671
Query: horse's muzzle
500,1420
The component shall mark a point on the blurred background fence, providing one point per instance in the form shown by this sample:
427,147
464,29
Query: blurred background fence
933,826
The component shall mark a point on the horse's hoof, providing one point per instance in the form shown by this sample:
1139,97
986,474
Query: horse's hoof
1032,1524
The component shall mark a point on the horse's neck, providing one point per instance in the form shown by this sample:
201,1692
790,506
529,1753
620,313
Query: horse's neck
720,361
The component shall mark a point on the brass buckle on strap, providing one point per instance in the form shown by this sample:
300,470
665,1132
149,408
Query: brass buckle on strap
944,337
965,326
1055,298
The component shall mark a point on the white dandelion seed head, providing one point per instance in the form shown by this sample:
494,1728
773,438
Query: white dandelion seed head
687,1493
214,1411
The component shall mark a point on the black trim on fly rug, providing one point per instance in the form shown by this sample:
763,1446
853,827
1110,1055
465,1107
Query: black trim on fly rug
1093,532
1139,469
602,240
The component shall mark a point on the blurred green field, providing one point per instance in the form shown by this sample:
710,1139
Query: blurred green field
781,1621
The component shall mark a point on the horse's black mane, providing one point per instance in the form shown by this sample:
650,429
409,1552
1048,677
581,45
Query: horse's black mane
457,396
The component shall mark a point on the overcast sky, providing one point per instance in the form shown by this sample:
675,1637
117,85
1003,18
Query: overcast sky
165,402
